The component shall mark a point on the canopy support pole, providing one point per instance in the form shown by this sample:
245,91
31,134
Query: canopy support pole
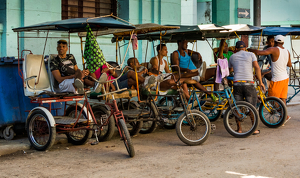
83,64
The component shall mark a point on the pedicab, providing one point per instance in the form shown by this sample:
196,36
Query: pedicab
78,121
213,109
191,119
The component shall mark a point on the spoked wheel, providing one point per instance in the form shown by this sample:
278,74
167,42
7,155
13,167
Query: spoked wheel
150,125
126,138
108,129
133,126
78,137
40,133
276,115
169,102
193,129
245,124
212,115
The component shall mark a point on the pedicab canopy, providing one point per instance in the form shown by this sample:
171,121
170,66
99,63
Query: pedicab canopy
200,32
280,31
78,25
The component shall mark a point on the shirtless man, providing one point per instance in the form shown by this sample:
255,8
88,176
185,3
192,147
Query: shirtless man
280,78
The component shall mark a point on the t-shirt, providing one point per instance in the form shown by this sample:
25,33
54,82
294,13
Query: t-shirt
227,55
241,62
64,65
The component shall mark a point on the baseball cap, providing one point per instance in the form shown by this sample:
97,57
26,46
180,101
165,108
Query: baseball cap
279,39
240,44
62,42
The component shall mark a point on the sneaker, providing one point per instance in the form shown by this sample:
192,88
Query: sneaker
214,98
79,86
287,119
151,82
97,87
197,78
99,84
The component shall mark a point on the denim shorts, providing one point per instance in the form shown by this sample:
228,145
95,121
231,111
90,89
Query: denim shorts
245,92
122,82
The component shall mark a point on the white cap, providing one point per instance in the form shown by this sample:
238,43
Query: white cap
279,39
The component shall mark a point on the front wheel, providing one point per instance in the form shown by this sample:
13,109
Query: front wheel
276,115
40,133
241,120
126,138
193,129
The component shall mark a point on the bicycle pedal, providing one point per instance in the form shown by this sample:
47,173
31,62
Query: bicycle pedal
213,127
95,143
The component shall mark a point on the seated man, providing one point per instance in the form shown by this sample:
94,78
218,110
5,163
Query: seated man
65,71
181,58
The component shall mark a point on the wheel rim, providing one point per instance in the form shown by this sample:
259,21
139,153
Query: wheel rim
100,120
197,132
245,125
78,134
276,115
39,130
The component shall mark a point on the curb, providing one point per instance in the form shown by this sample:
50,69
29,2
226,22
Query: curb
15,147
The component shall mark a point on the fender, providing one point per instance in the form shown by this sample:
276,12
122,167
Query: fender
46,111
85,110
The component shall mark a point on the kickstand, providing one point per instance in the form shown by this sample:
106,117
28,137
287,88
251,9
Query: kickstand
97,141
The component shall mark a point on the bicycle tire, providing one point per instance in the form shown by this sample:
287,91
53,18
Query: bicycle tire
279,110
126,138
171,123
230,122
40,133
150,126
108,130
79,137
202,119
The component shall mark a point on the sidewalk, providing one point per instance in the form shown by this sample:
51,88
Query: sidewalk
22,143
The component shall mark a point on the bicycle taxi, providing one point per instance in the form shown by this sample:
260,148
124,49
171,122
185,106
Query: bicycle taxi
77,121
213,109
146,99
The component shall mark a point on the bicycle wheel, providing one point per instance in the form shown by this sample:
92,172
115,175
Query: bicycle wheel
277,115
133,126
108,129
150,125
126,138
195,133
211,114
247,122
78,137
169,102
40,133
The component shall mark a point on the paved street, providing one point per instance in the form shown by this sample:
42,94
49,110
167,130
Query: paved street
273,153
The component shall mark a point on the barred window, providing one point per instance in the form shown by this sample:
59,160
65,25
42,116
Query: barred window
87,8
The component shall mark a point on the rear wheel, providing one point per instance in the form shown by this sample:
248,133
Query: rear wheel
245,124
150,125
169,102
133,126
78,137
193,128
40,133
276,115
108,129
126,138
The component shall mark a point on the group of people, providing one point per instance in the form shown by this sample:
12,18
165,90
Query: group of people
71,79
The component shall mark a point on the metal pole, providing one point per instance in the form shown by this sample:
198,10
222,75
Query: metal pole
257,12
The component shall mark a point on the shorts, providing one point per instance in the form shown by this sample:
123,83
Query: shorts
122,82
245,92
279,89
67,86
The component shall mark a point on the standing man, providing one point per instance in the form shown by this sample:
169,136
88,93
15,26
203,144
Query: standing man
267,59
280,78
242,63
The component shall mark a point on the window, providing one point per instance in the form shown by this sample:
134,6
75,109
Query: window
87,8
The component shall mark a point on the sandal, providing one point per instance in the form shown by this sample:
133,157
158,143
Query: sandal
256,133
